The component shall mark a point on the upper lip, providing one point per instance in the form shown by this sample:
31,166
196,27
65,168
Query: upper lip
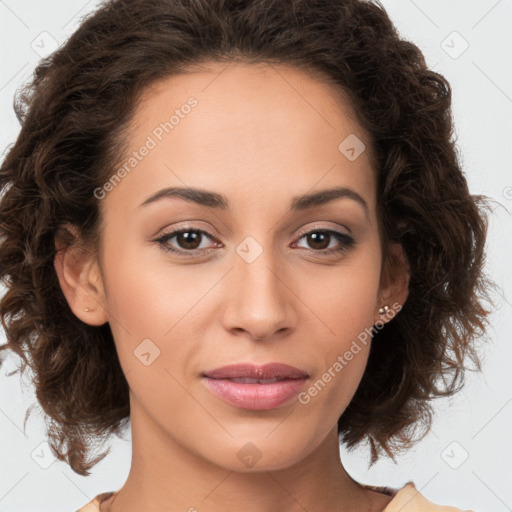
249,370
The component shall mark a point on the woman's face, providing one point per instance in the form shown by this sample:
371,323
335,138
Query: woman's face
264,275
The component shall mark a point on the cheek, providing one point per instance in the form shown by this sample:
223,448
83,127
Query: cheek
153,330
343,353
346,297
158,314
148,299
345,302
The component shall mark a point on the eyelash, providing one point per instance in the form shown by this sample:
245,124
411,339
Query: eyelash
346,241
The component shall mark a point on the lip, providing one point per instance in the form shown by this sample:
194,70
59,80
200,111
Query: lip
249,370
255,396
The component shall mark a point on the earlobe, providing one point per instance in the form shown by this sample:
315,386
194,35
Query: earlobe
394,285
80,280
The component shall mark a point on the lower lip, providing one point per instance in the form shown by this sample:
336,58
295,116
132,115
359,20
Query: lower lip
255,397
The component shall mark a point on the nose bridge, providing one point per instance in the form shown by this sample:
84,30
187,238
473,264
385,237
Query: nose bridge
259,302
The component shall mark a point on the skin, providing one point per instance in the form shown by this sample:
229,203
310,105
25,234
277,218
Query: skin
260,135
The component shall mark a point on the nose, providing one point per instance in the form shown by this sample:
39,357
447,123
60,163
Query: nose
260,302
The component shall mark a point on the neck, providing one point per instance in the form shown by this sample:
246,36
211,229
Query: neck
166,474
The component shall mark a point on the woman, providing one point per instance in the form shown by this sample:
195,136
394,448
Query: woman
241,228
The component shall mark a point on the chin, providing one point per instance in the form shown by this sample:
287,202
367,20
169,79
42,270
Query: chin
258,454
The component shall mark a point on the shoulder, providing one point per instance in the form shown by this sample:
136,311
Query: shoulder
94,504
406,499
409,499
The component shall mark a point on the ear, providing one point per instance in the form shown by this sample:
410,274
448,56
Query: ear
79,277
394,284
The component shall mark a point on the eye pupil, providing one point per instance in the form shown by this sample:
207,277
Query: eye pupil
316,237
189,239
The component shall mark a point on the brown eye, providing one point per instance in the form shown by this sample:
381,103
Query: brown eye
185,241
318,239
321,241
188,239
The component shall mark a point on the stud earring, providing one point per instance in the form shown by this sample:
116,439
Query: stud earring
86,309
383,310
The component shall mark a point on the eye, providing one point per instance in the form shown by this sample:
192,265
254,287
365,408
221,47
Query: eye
320,240
188,241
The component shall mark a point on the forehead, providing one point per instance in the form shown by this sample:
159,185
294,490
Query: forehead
232,94
251,125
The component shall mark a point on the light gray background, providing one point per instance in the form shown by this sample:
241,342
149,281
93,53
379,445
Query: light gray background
475,424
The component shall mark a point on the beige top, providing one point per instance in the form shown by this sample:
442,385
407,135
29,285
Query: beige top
406,499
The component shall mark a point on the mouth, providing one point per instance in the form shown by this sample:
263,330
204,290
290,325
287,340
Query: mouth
242,380
251,387
250,371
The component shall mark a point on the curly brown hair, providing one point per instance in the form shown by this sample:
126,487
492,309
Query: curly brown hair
73,112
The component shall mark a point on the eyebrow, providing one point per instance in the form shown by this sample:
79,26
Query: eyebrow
215,200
